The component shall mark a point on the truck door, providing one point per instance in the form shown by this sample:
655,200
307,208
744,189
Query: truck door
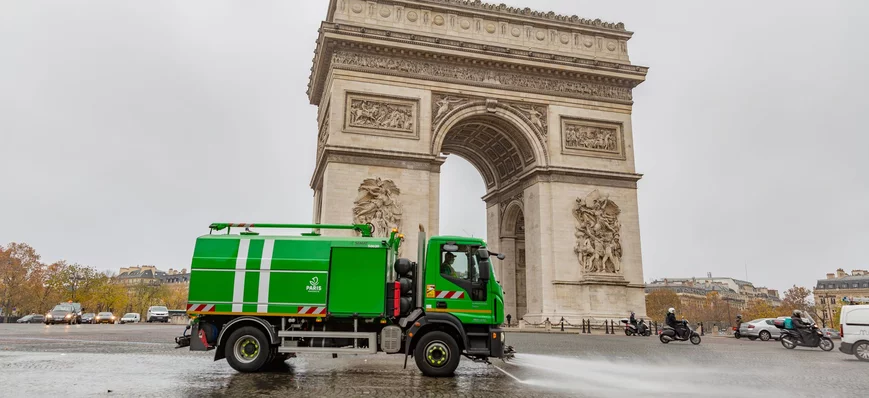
457,287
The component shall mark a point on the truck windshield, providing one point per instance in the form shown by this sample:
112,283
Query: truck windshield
159,309
62,307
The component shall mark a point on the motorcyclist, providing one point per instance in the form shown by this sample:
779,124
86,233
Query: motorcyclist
803,327
673,323
633,319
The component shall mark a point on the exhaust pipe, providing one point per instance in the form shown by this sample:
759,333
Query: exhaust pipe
420,267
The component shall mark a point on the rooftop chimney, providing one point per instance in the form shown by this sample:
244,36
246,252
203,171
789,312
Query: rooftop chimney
831,276
840,273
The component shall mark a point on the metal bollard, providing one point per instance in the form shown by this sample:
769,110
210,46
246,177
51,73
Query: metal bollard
562,324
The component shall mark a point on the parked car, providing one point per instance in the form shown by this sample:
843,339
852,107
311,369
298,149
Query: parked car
130,317
157,313
105,317
32,318
762,328
88,317
831,333
854,329
69,313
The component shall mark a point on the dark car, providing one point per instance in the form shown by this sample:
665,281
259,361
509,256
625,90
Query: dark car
32,318
105,317
88,318
69,313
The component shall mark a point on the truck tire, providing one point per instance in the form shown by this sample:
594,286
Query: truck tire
247,349
437,354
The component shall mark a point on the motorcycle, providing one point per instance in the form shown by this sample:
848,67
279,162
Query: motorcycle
640,329
791,339
669,334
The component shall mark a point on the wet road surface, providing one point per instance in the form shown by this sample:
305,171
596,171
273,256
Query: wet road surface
140,360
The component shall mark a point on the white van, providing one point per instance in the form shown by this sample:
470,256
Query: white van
855,331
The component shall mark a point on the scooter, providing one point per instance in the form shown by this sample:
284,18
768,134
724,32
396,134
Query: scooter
669,334
791,339
640,329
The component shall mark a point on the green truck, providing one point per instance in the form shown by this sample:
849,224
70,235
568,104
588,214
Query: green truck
257,300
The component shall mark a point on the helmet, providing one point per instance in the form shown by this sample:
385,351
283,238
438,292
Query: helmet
671,310
796,314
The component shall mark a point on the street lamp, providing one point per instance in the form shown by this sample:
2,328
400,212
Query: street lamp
75,279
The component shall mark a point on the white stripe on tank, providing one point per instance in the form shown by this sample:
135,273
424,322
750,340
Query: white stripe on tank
240,264
265,277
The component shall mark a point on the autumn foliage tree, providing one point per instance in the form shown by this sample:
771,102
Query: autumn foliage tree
659,301
29,286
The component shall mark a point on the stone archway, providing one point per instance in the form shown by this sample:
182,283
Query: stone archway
539,103
514,278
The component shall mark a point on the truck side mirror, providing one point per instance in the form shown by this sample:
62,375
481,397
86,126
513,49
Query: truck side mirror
501,256
484,264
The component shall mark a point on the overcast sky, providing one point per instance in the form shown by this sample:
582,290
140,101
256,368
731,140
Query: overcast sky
128,126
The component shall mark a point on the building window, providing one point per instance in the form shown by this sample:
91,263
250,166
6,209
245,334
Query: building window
866,285
856,285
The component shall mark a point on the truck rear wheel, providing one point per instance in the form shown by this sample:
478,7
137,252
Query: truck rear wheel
247,349
437,354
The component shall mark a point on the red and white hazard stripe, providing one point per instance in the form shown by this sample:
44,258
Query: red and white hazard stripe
241,225
450,295
312,310
200,307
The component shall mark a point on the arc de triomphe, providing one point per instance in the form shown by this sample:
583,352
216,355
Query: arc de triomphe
539,103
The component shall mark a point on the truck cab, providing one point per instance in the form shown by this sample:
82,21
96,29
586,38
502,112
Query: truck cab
260,299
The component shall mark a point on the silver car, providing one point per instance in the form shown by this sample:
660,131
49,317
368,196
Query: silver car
763,329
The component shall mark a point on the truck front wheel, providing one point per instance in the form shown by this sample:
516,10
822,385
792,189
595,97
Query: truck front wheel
247,349
437,354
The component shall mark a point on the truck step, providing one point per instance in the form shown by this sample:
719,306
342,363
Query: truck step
338,335
369,336
477,334
328,350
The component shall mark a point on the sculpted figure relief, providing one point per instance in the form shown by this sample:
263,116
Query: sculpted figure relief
377,204
443,104
591,137
598,243
536,115
373,114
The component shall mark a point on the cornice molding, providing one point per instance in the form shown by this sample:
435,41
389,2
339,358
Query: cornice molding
454,69
524,13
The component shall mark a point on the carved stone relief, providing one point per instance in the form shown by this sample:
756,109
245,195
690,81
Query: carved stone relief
442,104
461,74
598,241
534,115
323,138
592,138
378,115
377,204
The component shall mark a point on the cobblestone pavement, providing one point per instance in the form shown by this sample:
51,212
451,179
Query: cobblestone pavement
140,360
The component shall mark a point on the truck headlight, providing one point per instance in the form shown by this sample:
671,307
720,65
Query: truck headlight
48,315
